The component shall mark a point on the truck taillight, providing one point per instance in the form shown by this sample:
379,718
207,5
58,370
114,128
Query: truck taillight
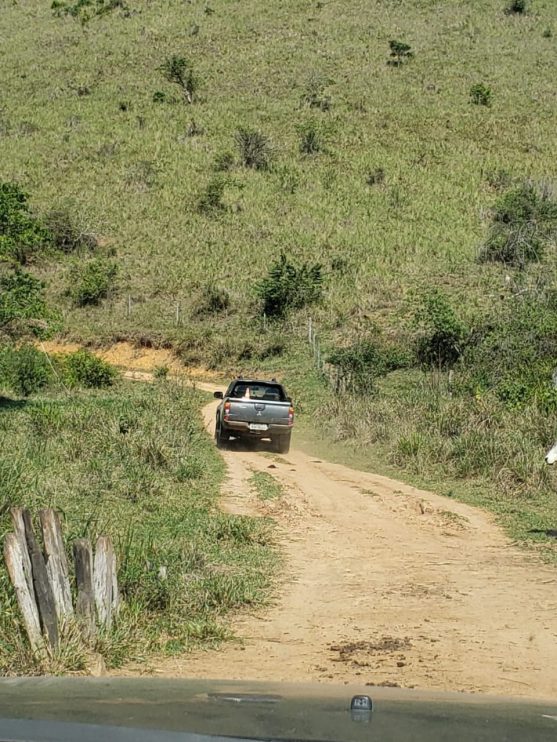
226,410
291,416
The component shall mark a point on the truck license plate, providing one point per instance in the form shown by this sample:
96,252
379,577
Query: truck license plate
257,426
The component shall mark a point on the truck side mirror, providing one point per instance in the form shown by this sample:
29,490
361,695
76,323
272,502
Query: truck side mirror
218,395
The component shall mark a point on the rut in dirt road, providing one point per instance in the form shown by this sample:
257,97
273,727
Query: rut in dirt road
386,585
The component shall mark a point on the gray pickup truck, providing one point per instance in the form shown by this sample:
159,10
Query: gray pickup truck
255,409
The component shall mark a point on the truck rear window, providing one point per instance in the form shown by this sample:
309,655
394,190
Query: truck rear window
258,390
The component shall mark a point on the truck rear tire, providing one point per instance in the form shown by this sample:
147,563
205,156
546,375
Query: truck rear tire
282,443
221,439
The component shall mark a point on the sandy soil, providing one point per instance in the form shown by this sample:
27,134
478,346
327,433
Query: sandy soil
383,584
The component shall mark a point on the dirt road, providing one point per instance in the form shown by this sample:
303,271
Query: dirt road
383,584
386,584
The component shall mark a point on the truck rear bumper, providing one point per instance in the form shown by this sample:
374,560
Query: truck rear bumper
243,429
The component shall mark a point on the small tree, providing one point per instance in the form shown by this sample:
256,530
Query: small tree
91,282
481,95
23,310
254,148
288,286
180,71
442,334
400,52
22,237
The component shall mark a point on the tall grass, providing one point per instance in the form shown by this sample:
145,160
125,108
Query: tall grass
136,464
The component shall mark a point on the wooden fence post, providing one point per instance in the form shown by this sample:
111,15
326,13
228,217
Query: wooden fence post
14,556
19,530
41,583
103,571
85,603
56,563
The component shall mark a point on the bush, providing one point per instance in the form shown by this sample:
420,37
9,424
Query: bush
311,141
86,9
161,373
213,300
514,353
481,95
442,334
64,233
82,368
367,360
210,200
23,310
223,161
25,370
375,177
91,282
400,52
524,221
517,7
288,286
254,148
179,71
22,236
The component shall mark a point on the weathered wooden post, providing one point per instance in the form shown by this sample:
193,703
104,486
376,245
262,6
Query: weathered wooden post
103,574
56,563
41,583
85,603
14,556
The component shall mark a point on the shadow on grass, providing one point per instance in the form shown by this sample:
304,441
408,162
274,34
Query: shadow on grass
551,532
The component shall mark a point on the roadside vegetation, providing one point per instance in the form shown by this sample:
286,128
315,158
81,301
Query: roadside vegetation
133,462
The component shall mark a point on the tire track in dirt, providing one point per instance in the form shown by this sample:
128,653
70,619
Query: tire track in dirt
383,584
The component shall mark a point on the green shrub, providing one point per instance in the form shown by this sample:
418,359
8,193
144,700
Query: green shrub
375,177
22,236
23,310
159,96
524,221
179,71
210,200
442,333
86,9
481,94
367,360
517,7
223,161
25,369
400,52
213,300
289,286
311,140
82,368
161,373
513,353
65,234
254,148
91,282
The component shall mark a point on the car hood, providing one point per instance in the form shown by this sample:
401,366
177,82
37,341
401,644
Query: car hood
164,709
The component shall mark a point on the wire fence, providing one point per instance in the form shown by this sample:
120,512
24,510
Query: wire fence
339,380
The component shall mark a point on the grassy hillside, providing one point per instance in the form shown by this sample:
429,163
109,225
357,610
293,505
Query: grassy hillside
81,130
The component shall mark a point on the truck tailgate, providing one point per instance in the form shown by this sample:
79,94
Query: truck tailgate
255,411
